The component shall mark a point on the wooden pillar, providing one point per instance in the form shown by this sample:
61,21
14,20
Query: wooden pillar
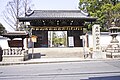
87,40
22,43
51,33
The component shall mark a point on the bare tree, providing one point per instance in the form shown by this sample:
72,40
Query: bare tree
14,9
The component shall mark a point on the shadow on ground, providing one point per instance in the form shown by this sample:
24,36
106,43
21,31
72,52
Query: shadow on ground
104,78
35,55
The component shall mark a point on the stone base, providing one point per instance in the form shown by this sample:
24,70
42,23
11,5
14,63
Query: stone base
14,55
99,55
113,50
14,58
113,55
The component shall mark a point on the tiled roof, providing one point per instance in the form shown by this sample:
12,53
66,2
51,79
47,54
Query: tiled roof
16,34
58,14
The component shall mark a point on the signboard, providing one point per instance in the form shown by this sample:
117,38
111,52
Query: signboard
71,41
57,28
96,38
34,38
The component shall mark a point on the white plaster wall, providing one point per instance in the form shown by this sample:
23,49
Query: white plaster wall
104,40
4,43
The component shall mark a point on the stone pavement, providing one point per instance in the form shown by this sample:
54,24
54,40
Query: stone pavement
49,60
42,60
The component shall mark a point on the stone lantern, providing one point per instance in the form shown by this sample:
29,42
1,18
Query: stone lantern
113,49
113,32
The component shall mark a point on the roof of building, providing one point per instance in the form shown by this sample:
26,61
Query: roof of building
16,34
56,14
1,37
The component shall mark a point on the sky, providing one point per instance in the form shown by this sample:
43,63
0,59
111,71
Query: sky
42,5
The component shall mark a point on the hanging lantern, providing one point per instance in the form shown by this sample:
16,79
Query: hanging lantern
34,38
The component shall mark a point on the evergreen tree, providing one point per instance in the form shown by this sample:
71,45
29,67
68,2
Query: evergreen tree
2,29
105,10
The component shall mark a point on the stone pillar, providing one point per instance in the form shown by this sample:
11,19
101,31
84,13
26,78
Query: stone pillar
97,54
51,35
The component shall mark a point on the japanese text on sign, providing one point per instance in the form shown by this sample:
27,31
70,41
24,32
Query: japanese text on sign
96,38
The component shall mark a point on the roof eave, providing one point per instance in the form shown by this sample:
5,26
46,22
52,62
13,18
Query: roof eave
25,19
